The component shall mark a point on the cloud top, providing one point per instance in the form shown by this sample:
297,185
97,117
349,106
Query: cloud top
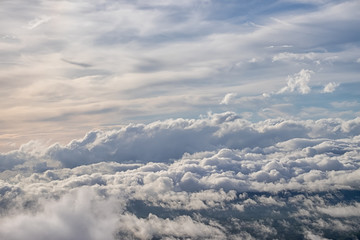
227,98
213,177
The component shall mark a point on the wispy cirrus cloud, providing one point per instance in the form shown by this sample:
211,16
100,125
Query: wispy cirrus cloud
37,22
131,47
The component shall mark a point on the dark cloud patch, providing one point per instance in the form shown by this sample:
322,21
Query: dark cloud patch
80,64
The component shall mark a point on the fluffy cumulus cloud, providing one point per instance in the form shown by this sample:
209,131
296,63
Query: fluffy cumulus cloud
227,98
298,83
215,177
330,87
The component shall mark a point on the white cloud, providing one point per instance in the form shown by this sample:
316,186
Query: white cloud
341,210
153,226
298,82
227,98
311,236
330,87
284,56
38,21
80,214
253,60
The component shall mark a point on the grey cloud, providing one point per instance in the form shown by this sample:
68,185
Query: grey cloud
9,160
80,64
163,141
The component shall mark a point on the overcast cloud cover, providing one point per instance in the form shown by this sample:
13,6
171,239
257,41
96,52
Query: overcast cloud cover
195,119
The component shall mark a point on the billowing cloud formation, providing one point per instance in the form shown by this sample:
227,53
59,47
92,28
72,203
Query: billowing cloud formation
210,178
298,82
162,141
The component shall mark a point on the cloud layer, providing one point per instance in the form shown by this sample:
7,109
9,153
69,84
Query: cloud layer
214,177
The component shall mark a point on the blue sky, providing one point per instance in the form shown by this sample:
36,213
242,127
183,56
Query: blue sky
67,67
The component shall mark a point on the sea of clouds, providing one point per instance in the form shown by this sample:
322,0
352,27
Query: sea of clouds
215,177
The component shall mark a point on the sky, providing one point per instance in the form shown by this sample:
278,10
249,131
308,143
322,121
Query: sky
67,67
199,119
